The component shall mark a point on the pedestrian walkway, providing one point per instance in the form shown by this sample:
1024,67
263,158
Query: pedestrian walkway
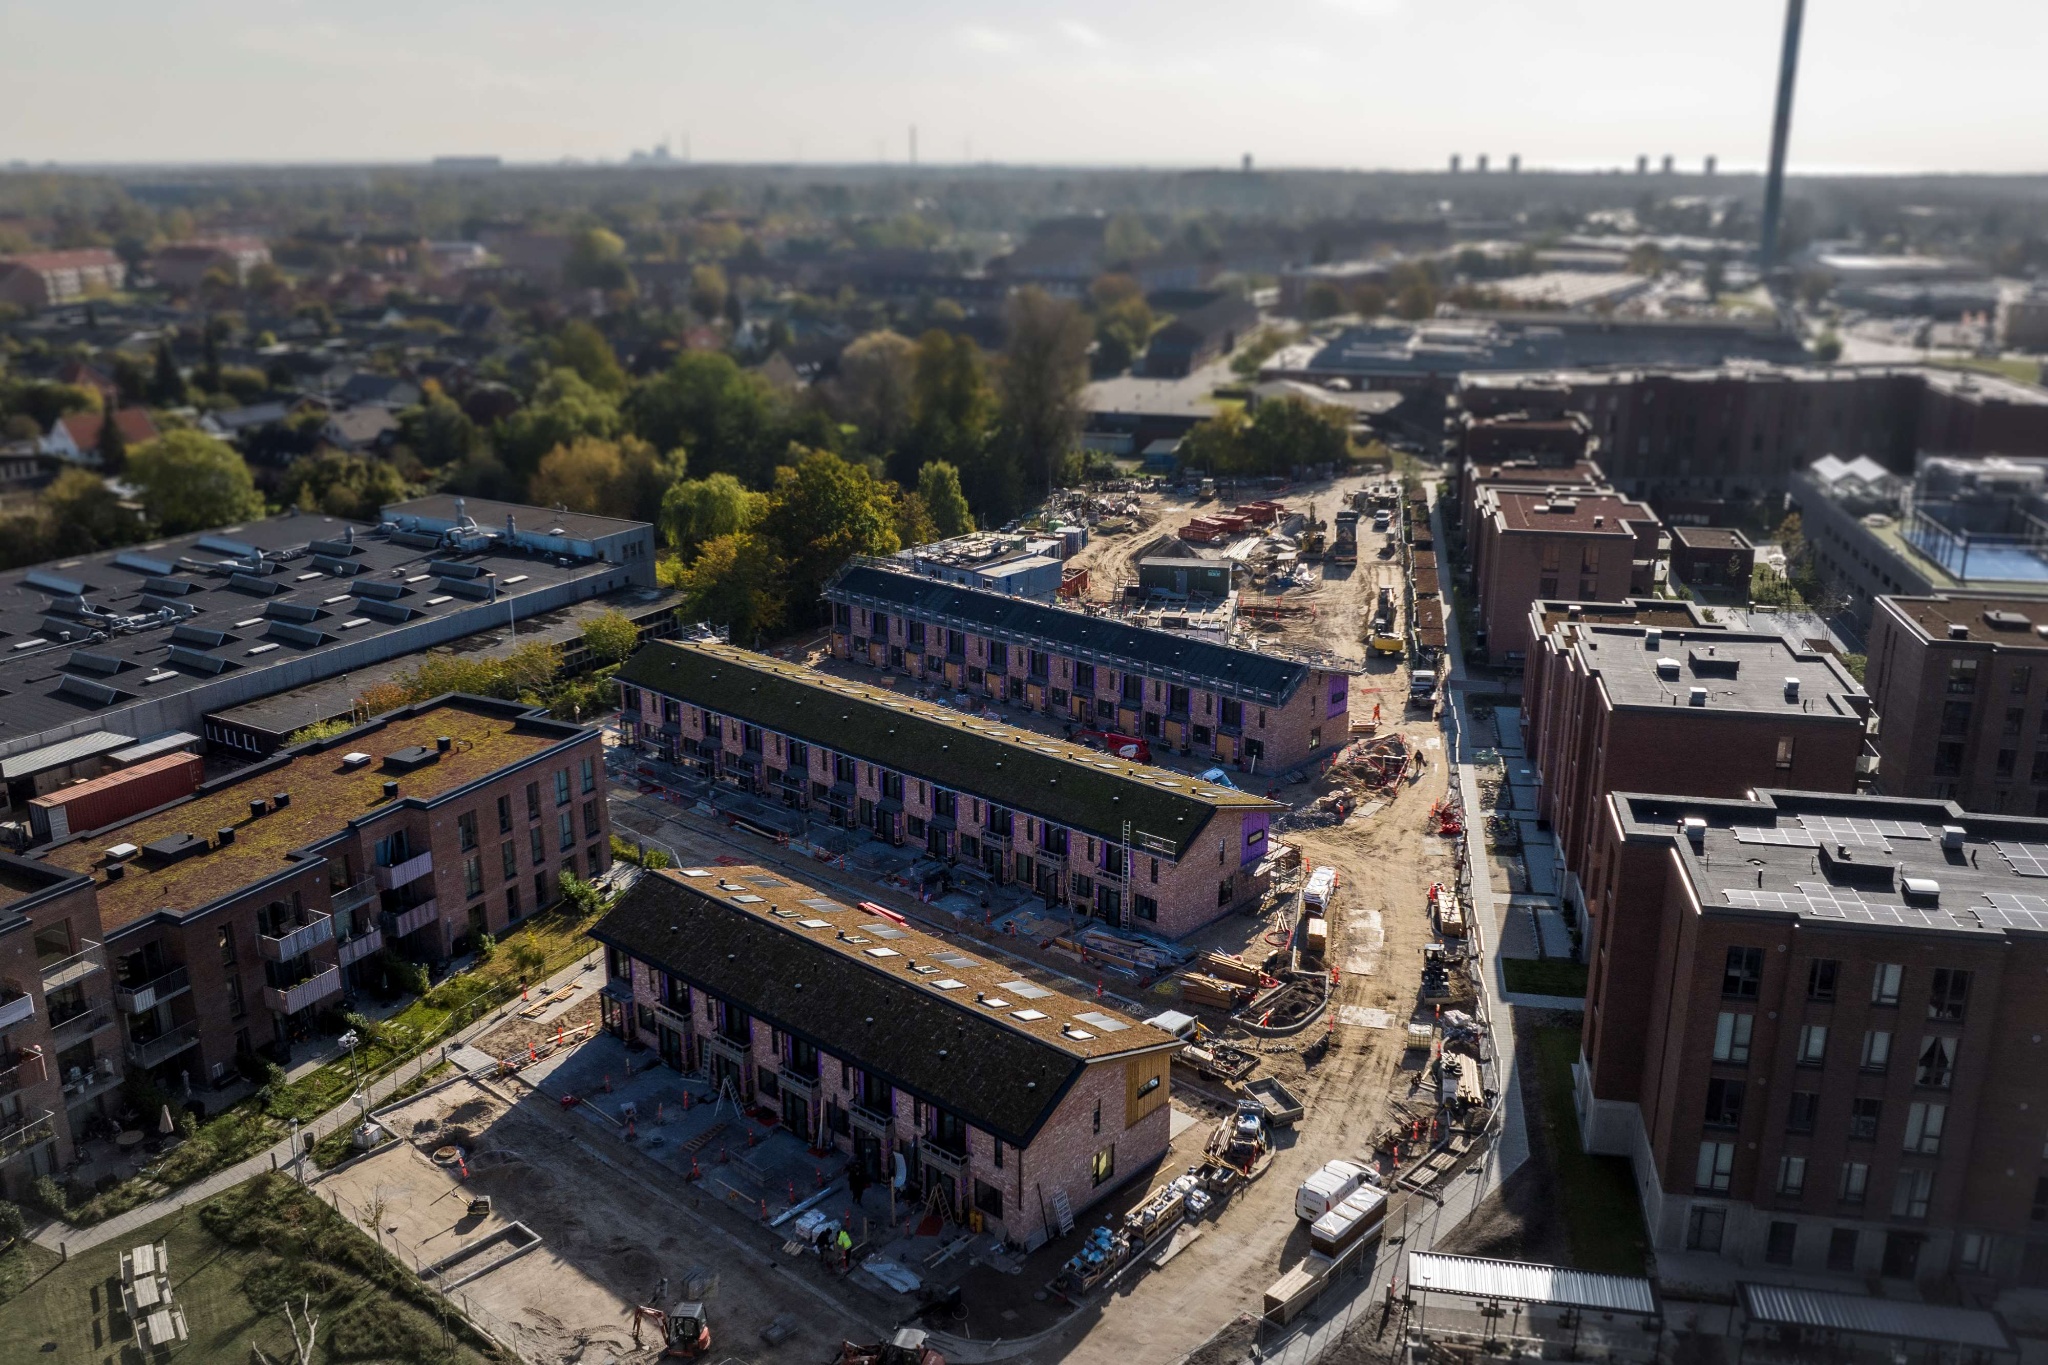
60,1236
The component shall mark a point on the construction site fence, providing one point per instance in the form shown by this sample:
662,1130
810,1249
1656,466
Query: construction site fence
466,1310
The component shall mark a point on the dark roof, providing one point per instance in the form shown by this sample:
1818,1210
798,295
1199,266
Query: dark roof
943,1045
1160,653
1044,777
1710,538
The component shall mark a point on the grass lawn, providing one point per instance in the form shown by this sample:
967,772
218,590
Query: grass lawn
1528,976
2025,371
234,1262
21,1266
1596,1194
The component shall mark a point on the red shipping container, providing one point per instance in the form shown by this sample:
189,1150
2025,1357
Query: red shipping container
117,796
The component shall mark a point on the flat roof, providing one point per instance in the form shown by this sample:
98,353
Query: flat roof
326,795
1646,611
149,623
1740,671
1533,510
1033,773
1099,639
1476,1277
1710,538
490,515
948,1023
1863,1316
1854,863
1523,469
2005,621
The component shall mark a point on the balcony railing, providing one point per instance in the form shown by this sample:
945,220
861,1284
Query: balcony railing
733,1052
805,1086
69,970
354,897
89,1084
932,1154
678,1018
85,1023
619,989
150,994
36,1131
411,870
17,1010
292,999
317,929
874,1120
399,923
361,946
162,1048
21,1068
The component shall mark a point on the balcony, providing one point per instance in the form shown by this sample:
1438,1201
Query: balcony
399,923
22,1068
354,897
361,946
316,930
67,971
292,999
619,989
35,1132
154,1053
722,1046
804,1086
874,1120
932,1154
17,1009
82,1024
150,994
669,1014
90,1085
411,870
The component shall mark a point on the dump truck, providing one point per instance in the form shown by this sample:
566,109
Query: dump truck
1344,549
906,1347
1279,1103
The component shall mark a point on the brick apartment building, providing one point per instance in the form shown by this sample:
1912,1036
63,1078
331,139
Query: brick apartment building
1256,711
1713,557
1810,1027
1629,695
879,1040
1574,479
1961,689
1531,545
45,279
1139,846
224,922
184,265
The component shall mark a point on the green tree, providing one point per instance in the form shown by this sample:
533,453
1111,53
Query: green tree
1288,432
726,418
875,387
694,511
166,384
822,512
622,478
1123,322
342,484
582,348
1827,347
708,291
564,407
189,482
112,446
597,260
610,636
938,484
437,431
1125,239
209,352
85,515
1044,368
1215,446
736,582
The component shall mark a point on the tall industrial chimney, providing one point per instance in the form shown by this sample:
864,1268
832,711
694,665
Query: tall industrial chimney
1781,132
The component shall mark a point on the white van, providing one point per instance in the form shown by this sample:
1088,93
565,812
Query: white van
1327,1188
1321,887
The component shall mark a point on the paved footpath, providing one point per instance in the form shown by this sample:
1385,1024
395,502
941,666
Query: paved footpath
62,1237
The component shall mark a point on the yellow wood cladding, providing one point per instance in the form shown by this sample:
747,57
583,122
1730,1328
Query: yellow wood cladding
1145,1085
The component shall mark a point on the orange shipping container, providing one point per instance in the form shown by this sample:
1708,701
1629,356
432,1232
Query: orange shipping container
117,796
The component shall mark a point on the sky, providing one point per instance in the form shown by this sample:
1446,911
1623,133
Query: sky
1885,85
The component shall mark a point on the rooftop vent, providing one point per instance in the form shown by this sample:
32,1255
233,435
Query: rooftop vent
117,852
411,757
174,848
354,760
2005,620
1866,867
225,834
1791,689
1696,697
1599,520
1922,889
1667,667
390,789
1958,630
258,808
1695,829
116,871
1707,663
281,799
443,743
1952,836
1653,639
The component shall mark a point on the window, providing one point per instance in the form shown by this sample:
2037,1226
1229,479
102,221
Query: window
1973,1251
988,1199
1813,1044
1962,676
1950,990
1103,1167
542,892
562,787
465,829
1864,1115
2015,720
1820,979
1877,1050
511,903
590,767
566,825
1799,1117
1855,1179
1098,1116
1924,1122
533,800
1144,907
1743,976
1724,1103
1731,1037
1937,1063
1781,1243
236,1007
1704,1226
1911,1195
2022,680
473,876
1792,1176
1948,762
1842,1249
2040,1214
1885,982
1716,1167
1785,751
504,815
227,945
540,846
590,819
508,856
593,861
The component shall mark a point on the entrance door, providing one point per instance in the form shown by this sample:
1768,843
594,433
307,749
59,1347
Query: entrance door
670,1044
796,1114
725,1070
934,841
1902,1255
867,1150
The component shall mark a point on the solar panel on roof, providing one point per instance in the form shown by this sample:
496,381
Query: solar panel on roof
1766,900
249,583
196,660
88,691
291,611
366,587
1856,829
165,586
476,588
2009,910
221,545
54,583
385,611
87,661
2029,860
296,635
128,559
199,636
1783,836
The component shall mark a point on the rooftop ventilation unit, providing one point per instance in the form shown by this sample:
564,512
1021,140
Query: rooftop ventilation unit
370,587
143,564
355,759
1952,837
87,661
1922,889
340,568
411,757
1653,639
1667,667
221,545
54,584
1958,630
250,583
339,549
1791,689
1695,829
196,660
1696,697
151,602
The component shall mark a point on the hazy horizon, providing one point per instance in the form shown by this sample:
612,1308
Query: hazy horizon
1890,87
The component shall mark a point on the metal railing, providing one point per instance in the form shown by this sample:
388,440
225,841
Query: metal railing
411,870
149,994
87,1021
35,1132
399,923
162,1048
292,999
361,946
354,896
17,1009
21,1068
874,1119
66,971
318,929
932,1153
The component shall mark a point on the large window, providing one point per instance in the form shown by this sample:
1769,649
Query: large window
1911,1195
1820,979
1949,992
1102,1168
1791,1176
1885,980
1731,1037
1937,1063
1800,1115
1743,976
1813,1044
1864,1115
1877,1050
1716,1167
1924,1122
1724,1103
1855,1181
